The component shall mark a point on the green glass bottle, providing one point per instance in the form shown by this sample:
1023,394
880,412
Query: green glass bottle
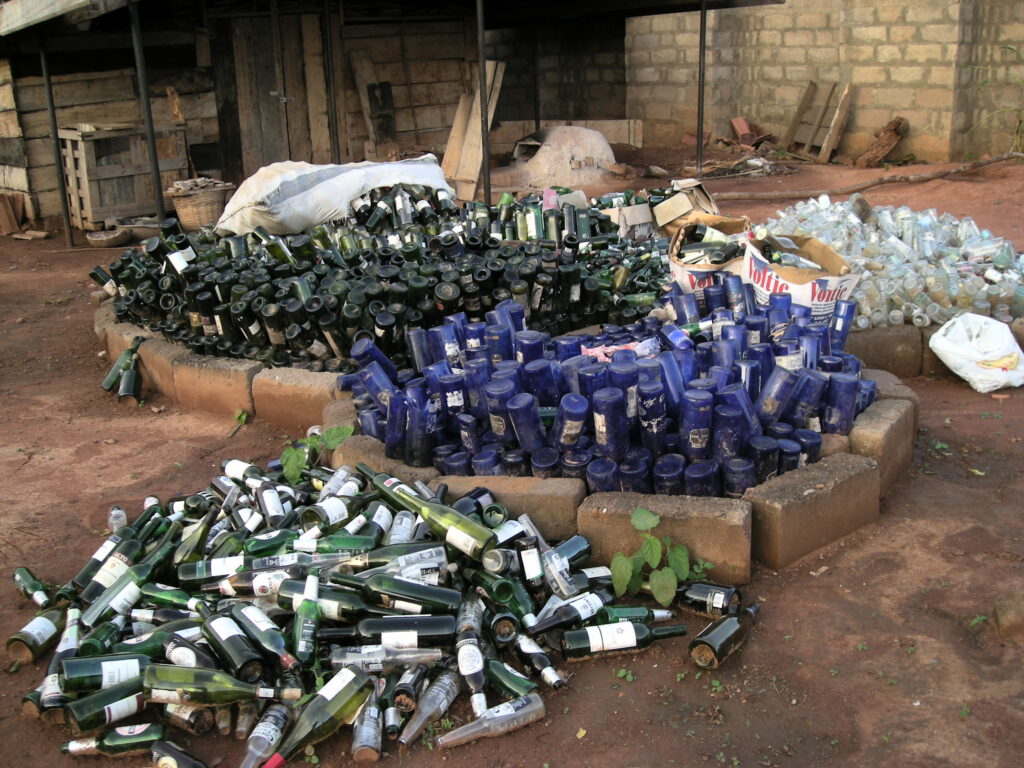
254,583
638,613
335,604
52,695
401,594
123,556
457,530
722,637
167,753
620,637
192,546
166,596
336,543
307,620
707,599
503,678
31,588
120,365
264,634
105,707
169,684
123,740
152,644
38,636
231,645
93,673
102,637
83,577
335,704
270,542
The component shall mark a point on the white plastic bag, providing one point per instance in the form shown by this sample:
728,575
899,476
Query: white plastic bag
292,197
981,351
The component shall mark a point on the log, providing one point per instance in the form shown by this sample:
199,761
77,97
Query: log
885,139
902,178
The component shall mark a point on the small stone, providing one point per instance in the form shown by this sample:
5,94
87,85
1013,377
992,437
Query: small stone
833,444
1008,613
110,441
20,320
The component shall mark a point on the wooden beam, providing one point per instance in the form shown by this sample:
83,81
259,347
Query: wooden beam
798,114
816,125
835,128
21,14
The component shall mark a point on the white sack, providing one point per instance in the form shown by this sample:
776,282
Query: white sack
980,350
290,197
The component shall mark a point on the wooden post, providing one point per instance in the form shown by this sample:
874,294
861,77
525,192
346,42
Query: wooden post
58,160
700,86
147,111
485,139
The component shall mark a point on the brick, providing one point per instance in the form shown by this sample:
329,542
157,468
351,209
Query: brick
906,74
551,503
866,34
96,298
891,388
833,444
799,37
340,413
1008,615
292,397
885,432
921,52
921,14
896,349
370,451
717,530
939,33
158,358
902,33
890,13
666,22
806,509
215,384
869,74
103,318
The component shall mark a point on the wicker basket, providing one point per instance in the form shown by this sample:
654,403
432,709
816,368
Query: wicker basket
194,209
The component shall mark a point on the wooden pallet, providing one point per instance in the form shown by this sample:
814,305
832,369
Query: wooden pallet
819,120
464,154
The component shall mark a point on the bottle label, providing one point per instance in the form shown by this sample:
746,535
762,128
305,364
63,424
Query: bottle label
329,609
508,531
123,708
600,428
532,569
50,687
181,711
266,729
126,598
182,656
333,686
266,693
404,605
177,260
400,640
382,517
114,672
225,566
334,509
454,400
224,628
587,605
715,602
83,746
753,337
132,730
527,644
471,660
40,629
394,484
611,637
508,708
698,438
597,572
631,404
105,548
460,540
116,565
259,619
269,583
571,429
497,424
164,696
69,640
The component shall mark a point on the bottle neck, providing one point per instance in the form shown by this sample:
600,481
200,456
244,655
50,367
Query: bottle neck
674,630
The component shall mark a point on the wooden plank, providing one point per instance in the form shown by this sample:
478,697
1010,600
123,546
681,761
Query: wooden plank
362,71
457,137
8,224
21,14
472,154
820,119
794,123
12,152
250,132
95,91
6,75
299,146
226,94
37,124
838,124
203,52
316,89
12,177
341,101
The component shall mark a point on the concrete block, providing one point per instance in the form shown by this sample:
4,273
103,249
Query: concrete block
885,432
216,384
292,397
102,319
810,507
931,365
896,349
370,451
551,504
833,444
119,337
1008,613
158,359
891,388
96,298
340,413
716,530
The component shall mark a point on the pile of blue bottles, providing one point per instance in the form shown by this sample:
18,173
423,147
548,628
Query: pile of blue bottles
702,398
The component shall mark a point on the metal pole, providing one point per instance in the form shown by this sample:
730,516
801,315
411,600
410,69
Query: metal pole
147,112
700,87
485,139
58,160
328,63
536,78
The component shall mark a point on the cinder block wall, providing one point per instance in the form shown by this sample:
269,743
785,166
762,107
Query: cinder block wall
908,58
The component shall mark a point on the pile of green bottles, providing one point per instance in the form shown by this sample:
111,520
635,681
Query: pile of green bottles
406,258
279,612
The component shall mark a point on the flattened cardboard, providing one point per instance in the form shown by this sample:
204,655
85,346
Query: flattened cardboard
634,221
691,196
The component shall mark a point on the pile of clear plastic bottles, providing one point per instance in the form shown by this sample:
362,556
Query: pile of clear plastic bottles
918,267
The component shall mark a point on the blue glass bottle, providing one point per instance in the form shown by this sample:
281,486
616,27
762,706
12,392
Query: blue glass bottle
764,452
686,308
673,337
469,433
371,423
775,395
652,413
529,345
780,300
736,337
476,375
544,462
723,353
695,424
851,364
418,443
635,476
667,474
830,364
673,383
571,371
809,346
734,293
626,376
840,406
841,323
499,342
714,298
718,376
451,388
803,406
603,476
765,358
789,455
364,352
737,476
514,464
757,329
487,462
778,322
440,453
435,370
704,357
377,385
394,432
570,420
746,372
623,356
780,430
475,335
574,463
686,360
498,392
735,395
444,345
867,391
649,368
810,444
702,478
525,418
707,384
419,348
727,432
540,380
592,378
566,347
457,463
611,431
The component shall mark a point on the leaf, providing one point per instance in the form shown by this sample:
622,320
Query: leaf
650,550
622,572
643,520
581,733
335,436
240,418
679,561
293,461
663,585
976,472
638,575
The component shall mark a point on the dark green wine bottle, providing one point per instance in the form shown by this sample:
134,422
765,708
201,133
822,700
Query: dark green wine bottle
401,594
105,707
84,576
94,673
169,684
122,740
38,636
120,365
722,637
31,588
307,620
265,634
124,556
231,646
708,599
102,637
620,637
638,613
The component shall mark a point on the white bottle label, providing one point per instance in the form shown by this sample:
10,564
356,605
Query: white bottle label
111,570
224,627
126,707
508,530
571,429
400,640
126,598
471,660
532,569
333,686
182,656
225,566
403,605
40,629
382,516
131,730
163,696
334,510
587,605
600,428
114,672
104,550
266,730
610,637
259,618
597,572
461,541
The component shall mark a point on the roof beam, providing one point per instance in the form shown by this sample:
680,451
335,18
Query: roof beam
21,14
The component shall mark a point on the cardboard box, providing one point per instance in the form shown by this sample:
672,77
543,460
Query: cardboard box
634,221
818,290
690,197
694,278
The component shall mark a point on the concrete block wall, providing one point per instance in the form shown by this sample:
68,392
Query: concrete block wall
903,58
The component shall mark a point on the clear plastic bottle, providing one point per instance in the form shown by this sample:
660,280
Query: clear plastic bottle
116,518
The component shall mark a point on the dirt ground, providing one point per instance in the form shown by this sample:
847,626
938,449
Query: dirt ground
888,655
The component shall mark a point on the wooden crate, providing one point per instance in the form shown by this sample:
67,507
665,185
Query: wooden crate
108,172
